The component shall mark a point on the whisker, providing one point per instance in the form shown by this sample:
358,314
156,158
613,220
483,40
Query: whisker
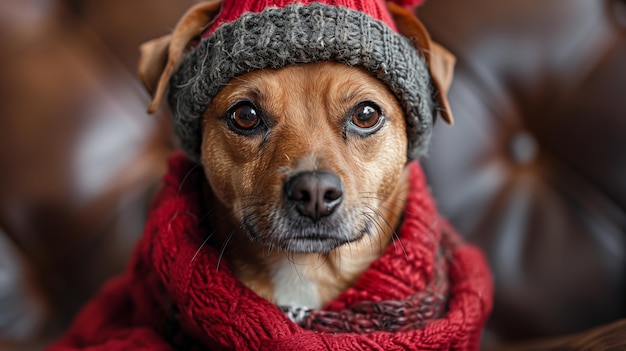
391,213
201,246
395,236
223,249
357,248
189,172
373,193
403,189
206,215
247,207
295,267
338,257
380,243
291,259
392,200
176,214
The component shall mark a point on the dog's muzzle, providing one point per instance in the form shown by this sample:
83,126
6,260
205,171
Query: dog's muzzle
312,205
311,218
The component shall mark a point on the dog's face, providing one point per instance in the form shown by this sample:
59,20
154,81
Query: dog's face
305,157
309,159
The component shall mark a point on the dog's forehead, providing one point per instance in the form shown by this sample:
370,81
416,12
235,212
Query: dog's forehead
325,81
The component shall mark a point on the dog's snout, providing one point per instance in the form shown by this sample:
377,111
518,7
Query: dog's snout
314,194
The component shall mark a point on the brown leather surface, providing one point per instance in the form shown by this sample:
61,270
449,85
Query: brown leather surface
610,337
79,156
534,170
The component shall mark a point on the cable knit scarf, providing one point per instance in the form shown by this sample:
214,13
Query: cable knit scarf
428,291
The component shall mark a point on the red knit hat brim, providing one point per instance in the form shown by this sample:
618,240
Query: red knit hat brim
234,9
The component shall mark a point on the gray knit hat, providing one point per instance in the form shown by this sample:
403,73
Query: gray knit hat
248,35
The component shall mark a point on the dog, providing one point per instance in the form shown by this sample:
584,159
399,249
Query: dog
295,216
305,163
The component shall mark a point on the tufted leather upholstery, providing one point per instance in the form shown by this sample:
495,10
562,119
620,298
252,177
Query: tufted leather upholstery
534,170
80,158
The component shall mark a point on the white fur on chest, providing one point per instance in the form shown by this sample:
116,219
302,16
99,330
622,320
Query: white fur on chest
292,288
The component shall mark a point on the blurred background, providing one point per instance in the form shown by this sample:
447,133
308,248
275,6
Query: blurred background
534,170
79,156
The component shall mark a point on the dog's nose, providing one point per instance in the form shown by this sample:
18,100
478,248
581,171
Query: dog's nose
315,194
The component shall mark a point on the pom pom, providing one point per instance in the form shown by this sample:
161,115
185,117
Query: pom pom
408,4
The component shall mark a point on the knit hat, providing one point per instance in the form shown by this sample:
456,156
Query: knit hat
249,35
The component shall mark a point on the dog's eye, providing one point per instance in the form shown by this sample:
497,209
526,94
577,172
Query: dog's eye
245,117
367,117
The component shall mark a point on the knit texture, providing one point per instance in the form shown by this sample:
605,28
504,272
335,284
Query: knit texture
174,297
299,34
232,10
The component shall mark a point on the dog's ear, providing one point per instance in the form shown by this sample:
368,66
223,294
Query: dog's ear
160,57
440,61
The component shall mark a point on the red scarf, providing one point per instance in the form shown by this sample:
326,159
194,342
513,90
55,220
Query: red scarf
170,298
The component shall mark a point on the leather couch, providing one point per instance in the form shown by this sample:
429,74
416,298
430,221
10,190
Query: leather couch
80,158
534,170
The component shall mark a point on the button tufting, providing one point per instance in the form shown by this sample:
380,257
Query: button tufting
523,148
619,12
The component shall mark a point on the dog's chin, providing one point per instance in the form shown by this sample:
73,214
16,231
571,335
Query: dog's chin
295,239
314,244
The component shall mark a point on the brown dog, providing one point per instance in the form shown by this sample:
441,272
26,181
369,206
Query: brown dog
305,163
